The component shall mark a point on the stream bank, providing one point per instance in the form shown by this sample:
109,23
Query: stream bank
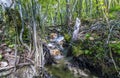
84,57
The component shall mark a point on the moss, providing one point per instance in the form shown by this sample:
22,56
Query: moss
115,47
67,37
77,50
60,71
114,9
114,12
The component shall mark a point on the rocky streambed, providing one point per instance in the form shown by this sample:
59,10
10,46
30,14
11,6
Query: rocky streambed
63,66
88,64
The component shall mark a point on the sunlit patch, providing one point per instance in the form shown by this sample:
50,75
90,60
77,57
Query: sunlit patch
55,52
53,35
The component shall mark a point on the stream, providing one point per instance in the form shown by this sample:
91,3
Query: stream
63,66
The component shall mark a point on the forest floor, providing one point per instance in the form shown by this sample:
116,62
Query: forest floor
88,57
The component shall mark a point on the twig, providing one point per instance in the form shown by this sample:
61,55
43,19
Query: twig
5,73
21,33
55,25
6,68
108,42
23,64
18,65
15,53
30,60
113,60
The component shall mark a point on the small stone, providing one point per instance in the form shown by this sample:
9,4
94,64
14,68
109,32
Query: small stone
60,43
51,45
70,68
2,45
3,64
58,57
1,31
82,73
60,39
8,50
91,38
114,42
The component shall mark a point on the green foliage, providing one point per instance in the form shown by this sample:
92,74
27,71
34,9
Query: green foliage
87,52
11,45
67,37
112,16
92,45
60,71
114,12
87,36
77,50
114,9
1,56
115,47
88,47
78,8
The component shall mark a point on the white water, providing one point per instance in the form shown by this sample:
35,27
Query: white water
7,4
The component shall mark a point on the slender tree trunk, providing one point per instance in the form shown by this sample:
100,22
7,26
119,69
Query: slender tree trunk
68,13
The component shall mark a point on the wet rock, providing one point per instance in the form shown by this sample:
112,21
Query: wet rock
77,71
58,57
83,63
59,39
8,50
48,58
56,54
1,31
51,45
3,64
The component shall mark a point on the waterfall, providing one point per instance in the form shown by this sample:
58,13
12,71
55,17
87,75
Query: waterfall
76,29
